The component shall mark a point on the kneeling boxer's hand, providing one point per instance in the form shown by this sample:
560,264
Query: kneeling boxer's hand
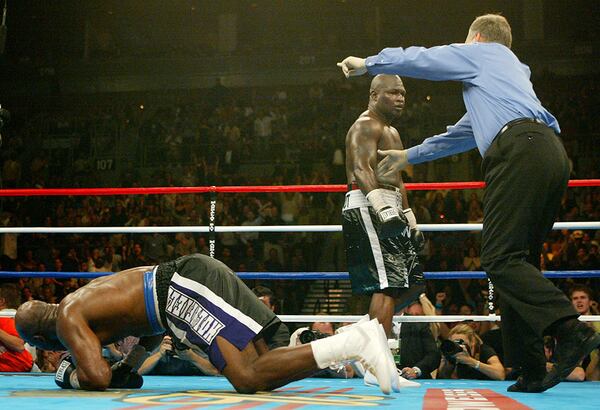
65,376
124,376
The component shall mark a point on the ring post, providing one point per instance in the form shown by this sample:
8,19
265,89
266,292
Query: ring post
211,222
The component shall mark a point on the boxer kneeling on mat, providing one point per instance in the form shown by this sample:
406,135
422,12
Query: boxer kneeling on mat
201,304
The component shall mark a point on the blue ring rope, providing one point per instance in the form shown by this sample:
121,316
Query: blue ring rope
309,275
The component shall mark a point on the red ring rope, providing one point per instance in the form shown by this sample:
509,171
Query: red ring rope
237,189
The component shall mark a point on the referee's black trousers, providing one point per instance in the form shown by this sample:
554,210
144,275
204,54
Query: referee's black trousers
526,171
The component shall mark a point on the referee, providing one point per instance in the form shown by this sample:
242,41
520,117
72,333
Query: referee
526,170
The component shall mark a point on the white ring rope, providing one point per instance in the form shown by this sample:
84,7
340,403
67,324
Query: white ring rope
259,228
402,319
408,319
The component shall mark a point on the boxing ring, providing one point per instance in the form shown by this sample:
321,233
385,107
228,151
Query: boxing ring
192,392
31,390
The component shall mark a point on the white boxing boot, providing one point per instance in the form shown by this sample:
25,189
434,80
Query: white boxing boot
407,383
393,371
362,320
398,381
371,380
359,369
363,342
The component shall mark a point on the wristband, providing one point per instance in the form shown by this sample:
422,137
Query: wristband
410,217
477,365
377,199
417,371
74,380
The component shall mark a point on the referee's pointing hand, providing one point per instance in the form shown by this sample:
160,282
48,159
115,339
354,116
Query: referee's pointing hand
353,66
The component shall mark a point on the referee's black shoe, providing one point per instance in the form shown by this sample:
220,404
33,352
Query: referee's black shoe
523,386
574,341
529,381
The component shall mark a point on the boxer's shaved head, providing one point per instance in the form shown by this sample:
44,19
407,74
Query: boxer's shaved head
36,323
382,81
387,96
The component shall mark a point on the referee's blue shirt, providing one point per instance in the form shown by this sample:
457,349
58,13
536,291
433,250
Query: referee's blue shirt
496,90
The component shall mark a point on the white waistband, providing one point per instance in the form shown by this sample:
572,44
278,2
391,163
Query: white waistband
356,199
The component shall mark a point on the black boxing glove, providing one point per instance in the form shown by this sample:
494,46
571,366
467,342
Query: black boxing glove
416,236
125,377
66,377
392,223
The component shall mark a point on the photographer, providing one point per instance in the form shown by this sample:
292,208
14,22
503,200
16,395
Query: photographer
281,338
419,354
320,330
465,356
173,360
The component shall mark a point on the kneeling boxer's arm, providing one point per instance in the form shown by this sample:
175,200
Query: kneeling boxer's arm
123,375
90,371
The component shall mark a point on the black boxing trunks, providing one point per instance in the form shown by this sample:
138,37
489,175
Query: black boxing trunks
376,264
200,298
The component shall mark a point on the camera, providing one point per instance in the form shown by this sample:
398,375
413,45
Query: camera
308,336
177,346
449,348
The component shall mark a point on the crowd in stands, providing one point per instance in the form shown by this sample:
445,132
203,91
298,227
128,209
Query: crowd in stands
207,142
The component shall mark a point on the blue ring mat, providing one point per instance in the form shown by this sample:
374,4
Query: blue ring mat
27,391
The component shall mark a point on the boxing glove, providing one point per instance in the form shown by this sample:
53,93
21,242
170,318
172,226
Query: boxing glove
392,223
66,377
417,238
124,376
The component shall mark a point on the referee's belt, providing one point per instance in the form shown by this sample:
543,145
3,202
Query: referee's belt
520,121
